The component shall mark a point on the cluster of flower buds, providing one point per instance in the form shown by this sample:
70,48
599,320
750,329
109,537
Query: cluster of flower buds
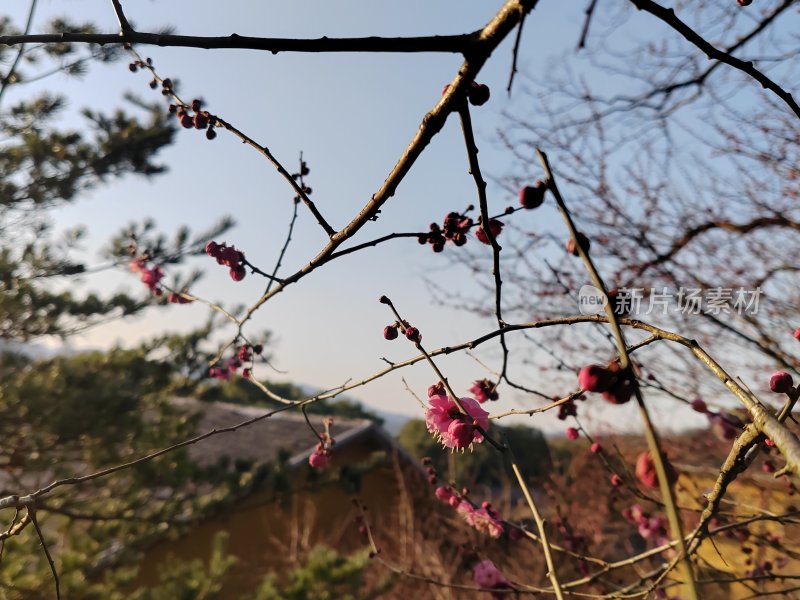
483,390
568,408
304,170
390,332
200,119
572,540
724,425
193,117
454,229
320,458
244,355
147,63
150,276
616,386
178,298
650,528
228,256
484,518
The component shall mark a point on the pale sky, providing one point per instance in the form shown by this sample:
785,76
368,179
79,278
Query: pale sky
352,116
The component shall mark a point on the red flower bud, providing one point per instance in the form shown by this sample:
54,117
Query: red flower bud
781,382
495,227
412,333
437,389
478,94
584,242
238,272
532,196
595,378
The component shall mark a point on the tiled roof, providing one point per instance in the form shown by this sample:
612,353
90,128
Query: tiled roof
263,440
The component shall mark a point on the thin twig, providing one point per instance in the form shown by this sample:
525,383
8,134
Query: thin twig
668,16
589,12
285,247
548,555
8,79
35,521
515,54
483,203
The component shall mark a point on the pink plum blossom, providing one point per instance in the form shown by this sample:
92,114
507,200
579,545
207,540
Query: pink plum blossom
454,429
484,390
319,459
484,519
487,575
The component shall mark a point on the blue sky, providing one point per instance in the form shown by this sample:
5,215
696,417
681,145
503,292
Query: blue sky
352,115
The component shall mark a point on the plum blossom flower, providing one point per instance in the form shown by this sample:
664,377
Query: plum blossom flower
495,227
649,527
724,425
319,459
484,519
444,494
646,470
151,277
437,389
454,429
222,373
484,390
487,575
615,386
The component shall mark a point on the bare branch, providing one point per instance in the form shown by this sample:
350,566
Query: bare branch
452,44
9,78
668,16
124,27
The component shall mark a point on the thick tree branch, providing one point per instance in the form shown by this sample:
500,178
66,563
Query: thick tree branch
453,44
